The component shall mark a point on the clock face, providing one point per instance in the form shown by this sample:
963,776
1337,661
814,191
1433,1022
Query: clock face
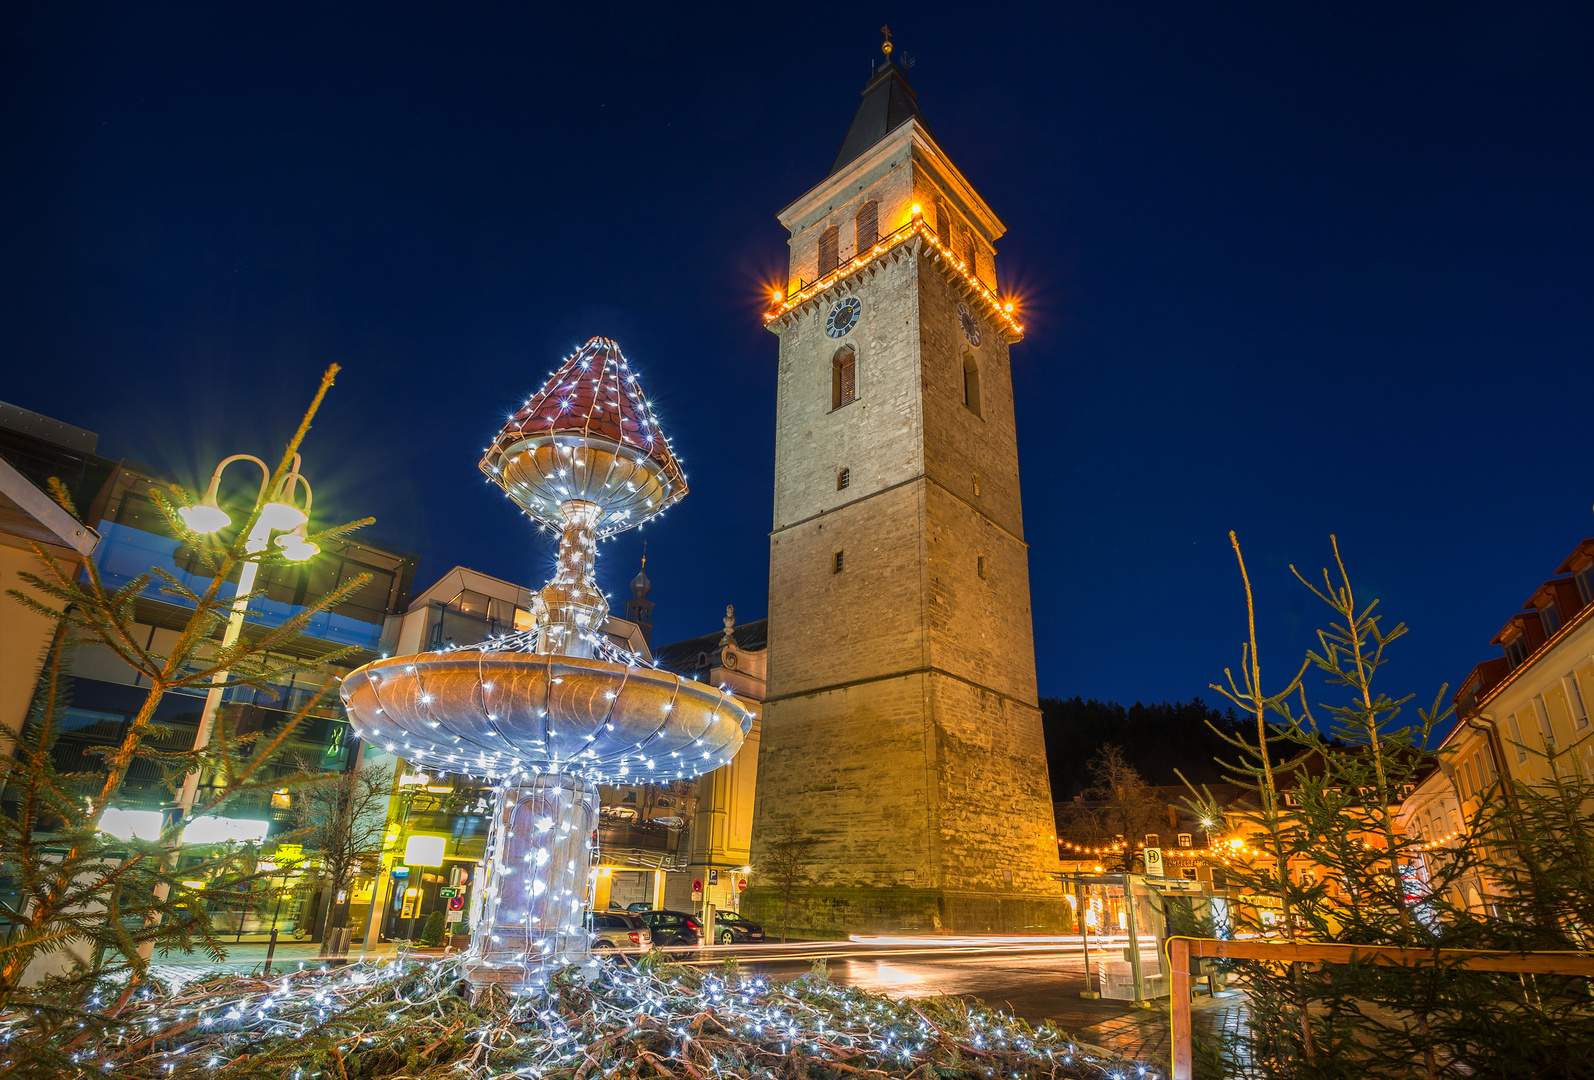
969,324
843,317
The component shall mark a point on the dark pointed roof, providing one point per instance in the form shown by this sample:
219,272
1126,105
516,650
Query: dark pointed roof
888,103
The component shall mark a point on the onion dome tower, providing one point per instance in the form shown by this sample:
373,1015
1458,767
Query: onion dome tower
639,609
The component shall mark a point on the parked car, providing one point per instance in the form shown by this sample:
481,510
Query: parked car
639,908
731,929
673,927
618,930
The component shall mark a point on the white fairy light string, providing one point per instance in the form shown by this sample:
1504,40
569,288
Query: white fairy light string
405,1017
550,713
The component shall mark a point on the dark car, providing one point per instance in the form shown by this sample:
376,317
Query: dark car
618,930
673,927
731,929
637,909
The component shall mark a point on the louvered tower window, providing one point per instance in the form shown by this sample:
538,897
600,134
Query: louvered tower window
843,378
968,251
868,225
829,250
971,384
843,479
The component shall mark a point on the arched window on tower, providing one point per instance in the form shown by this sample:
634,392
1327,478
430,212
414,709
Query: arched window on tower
971,384
843,377
943,223
829,250
868,225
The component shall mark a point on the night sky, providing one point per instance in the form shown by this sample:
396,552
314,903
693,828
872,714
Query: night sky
1289,269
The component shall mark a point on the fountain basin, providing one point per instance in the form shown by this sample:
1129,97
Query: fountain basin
503,714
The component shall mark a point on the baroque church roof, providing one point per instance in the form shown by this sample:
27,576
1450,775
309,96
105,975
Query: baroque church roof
693,656
889,101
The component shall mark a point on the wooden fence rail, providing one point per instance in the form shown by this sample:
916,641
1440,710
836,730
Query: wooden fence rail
1181,949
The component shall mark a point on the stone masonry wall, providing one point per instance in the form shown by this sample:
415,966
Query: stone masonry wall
901,728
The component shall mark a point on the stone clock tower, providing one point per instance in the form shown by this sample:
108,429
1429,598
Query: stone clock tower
901,729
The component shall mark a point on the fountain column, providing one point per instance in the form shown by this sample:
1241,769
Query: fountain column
539,851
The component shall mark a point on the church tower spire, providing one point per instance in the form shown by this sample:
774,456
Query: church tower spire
902,725
639,609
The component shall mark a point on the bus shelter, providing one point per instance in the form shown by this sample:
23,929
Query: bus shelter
1125,921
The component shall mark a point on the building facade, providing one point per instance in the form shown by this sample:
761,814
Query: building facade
1519,716
129,537
901,728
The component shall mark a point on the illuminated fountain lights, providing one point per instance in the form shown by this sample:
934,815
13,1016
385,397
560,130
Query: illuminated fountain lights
552,712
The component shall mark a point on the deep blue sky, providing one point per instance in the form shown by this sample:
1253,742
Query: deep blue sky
1286,268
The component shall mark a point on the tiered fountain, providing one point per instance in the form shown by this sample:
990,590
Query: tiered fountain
554,711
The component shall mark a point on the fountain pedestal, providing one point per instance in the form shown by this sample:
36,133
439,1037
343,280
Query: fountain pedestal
531,914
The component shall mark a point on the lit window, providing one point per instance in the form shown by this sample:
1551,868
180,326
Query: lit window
843,479
1184,839
835,565
1153,839
843,378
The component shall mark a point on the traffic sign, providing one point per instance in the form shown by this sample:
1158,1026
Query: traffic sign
456,903
741,885
1153,862
713,876
447,894
697,884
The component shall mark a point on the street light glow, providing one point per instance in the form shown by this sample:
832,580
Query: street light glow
204,518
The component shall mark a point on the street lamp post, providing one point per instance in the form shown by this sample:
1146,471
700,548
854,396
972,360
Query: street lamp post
279,514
